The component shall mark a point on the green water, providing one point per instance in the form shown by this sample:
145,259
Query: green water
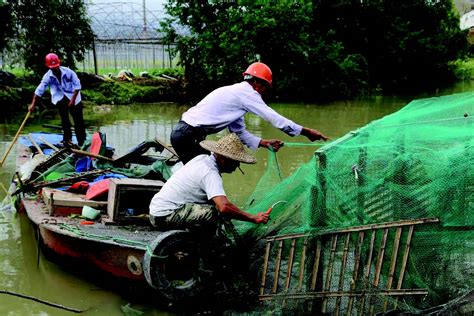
23,271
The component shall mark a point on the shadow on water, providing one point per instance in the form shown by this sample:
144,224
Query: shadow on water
125,127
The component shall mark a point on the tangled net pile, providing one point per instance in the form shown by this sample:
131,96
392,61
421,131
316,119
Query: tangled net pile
415,163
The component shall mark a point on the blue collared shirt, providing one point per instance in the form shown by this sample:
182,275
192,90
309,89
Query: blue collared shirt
69,83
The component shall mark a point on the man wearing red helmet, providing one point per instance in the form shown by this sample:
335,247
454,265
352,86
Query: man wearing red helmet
225,107
65,89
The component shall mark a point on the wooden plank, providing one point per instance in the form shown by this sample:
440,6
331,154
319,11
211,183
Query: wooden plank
63,198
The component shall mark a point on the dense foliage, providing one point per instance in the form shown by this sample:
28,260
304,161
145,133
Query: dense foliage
317,49
6,24
59,26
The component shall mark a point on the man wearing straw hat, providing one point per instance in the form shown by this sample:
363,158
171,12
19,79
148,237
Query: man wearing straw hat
194,195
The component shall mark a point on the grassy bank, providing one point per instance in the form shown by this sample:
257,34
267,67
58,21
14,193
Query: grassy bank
465,69
17,88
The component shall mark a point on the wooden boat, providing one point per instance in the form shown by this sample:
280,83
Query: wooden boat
118,245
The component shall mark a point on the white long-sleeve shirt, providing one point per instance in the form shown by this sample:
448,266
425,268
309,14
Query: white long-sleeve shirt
226,107
69,83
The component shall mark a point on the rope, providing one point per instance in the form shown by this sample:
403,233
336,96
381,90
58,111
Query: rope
272,152
79,232
41,301
292,144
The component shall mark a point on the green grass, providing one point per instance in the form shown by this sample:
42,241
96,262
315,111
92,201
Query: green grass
465,68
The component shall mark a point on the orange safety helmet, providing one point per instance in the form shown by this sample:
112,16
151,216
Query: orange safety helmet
52,61
259,70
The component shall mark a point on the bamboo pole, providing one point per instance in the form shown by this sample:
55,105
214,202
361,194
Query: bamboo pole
327,284
302,264
265,267
49,144
393,263
289,270
314,277
355,275
404,261
367,270
290,265
343,270
277,267
15,138
38,148
378,268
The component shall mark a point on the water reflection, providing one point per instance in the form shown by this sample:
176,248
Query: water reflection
125,127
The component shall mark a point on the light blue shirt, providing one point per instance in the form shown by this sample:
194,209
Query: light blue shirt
69,83
226,107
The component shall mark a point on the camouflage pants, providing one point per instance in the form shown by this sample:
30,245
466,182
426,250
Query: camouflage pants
188,216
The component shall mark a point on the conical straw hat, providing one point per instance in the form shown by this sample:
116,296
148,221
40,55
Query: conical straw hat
229,146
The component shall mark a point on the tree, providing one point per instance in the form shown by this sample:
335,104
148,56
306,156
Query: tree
44,26
6,24
317,49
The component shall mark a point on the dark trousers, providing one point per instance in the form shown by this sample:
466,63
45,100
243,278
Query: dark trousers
77,116
185,140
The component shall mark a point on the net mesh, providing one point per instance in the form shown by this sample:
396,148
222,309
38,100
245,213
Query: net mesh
415,163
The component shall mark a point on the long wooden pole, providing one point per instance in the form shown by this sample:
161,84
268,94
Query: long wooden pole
15,138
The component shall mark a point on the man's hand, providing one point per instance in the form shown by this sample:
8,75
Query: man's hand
274,144
31,107
261,217
72,102
313,134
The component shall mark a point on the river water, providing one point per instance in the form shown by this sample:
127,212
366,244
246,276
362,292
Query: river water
23,270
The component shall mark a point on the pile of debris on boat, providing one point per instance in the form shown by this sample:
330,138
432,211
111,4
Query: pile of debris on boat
73,179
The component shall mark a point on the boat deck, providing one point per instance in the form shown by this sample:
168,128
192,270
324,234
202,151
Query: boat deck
135,236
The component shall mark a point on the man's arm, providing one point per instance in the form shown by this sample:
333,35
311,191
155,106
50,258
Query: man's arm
228,209
39,92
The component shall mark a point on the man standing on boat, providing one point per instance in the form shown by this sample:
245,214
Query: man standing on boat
65,94
194,195
225,107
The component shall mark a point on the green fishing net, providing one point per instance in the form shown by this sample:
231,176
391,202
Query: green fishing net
415,163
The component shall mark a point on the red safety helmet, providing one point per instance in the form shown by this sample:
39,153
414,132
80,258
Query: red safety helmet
52,61
259,70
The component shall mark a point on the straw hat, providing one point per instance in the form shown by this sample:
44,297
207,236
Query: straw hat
230,147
